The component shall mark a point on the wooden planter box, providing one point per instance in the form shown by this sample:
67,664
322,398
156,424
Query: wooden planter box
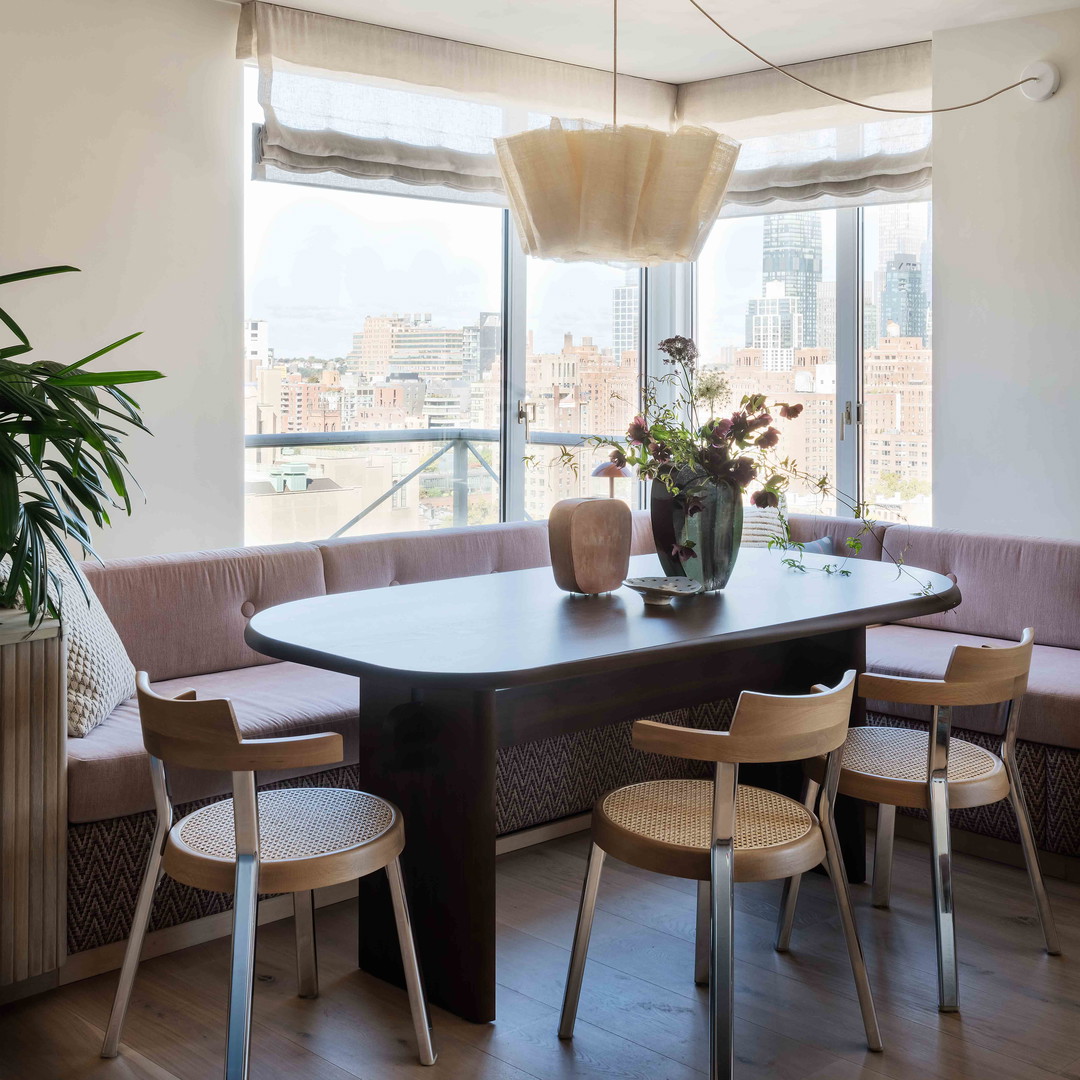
33,800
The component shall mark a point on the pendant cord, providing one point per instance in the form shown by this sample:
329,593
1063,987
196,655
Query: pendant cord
614,62
839,97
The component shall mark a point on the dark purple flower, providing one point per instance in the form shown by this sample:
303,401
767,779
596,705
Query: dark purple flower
683,553
759,421
743,470
789,412
715,460
768,439
659,451
638,430
765,498
720,430
618,458
679,350
694,505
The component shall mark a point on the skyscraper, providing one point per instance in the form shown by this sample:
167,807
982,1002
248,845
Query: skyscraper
626,315
791,254
903,300
774,324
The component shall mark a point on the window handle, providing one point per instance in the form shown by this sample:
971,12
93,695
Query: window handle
526,414
845,419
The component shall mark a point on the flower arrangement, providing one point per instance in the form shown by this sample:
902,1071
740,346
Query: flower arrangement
678,440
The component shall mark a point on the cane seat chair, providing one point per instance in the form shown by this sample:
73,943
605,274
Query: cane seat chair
718,832
936,772
293,840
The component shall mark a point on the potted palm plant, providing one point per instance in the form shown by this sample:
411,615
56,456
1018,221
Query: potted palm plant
62,466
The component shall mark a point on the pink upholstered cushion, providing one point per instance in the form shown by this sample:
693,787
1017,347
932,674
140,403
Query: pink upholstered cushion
1008,582
373,562
807,527
108,774
185,614
1051,708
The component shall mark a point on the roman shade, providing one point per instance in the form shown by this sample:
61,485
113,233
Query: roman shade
355,105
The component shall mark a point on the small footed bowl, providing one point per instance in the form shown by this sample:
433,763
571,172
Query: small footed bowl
660,591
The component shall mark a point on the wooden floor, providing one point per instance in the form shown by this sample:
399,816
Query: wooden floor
641,1015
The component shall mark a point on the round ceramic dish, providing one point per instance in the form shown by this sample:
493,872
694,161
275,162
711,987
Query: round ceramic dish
660,591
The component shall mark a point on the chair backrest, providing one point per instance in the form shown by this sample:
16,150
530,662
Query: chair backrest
976,675
765,727
204,735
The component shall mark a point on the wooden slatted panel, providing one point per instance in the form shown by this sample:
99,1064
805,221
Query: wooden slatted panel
33,805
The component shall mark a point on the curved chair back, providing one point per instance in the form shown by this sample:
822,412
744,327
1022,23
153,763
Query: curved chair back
976,675
765,727
204,735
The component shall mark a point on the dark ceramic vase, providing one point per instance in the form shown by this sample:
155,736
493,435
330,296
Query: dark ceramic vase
715,531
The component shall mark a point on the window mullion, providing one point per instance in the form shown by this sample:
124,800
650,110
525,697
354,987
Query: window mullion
513,447
849,346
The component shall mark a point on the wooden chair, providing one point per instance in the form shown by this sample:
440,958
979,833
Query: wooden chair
293,840
719,832
900,767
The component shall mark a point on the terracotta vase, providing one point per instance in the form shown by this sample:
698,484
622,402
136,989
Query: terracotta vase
590,544
714,532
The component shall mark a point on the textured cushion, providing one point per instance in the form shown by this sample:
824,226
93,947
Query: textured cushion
108,774
760,525
1051,708
99,673
185,614
1007,582
807,527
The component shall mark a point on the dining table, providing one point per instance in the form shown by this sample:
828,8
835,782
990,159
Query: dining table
452,670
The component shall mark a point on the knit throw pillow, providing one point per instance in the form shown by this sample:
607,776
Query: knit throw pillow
760,525
99,674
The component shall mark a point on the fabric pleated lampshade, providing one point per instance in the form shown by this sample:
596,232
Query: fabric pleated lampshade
623,194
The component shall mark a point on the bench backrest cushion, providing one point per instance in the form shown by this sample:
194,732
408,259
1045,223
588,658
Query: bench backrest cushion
180,615
373,562
808,527
1007,582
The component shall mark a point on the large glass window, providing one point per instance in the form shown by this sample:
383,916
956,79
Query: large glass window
831,309
379,315
897,361
767,325
582,376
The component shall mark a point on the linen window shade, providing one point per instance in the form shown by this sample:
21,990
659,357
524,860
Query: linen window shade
355,105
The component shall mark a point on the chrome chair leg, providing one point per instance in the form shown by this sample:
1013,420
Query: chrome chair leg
838,877
722,962
789,898
421,1018
883,855
111,1045
1031,857
242,973
701,935
307,962
580,948
944,913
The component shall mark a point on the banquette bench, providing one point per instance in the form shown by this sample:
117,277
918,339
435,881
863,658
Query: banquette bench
181,618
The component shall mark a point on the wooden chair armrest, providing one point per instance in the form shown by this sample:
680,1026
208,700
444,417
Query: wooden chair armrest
675,741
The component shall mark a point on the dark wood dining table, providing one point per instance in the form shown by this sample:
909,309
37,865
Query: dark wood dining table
452,670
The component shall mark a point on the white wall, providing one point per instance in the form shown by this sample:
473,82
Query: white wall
123,147
1007,283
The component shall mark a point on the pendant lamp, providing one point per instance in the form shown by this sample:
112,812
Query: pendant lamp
618,193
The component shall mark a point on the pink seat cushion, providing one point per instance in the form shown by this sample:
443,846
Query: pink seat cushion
1051,708
108,772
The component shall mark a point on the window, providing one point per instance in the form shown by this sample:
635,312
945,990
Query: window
582,375
378,320
831,309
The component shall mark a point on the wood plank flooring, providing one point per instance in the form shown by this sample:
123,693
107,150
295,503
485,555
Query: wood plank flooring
641,1015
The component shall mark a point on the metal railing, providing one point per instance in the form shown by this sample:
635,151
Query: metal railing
460,442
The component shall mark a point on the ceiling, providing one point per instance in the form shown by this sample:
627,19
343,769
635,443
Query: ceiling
669,40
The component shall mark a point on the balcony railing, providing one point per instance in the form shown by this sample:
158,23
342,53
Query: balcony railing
460,443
